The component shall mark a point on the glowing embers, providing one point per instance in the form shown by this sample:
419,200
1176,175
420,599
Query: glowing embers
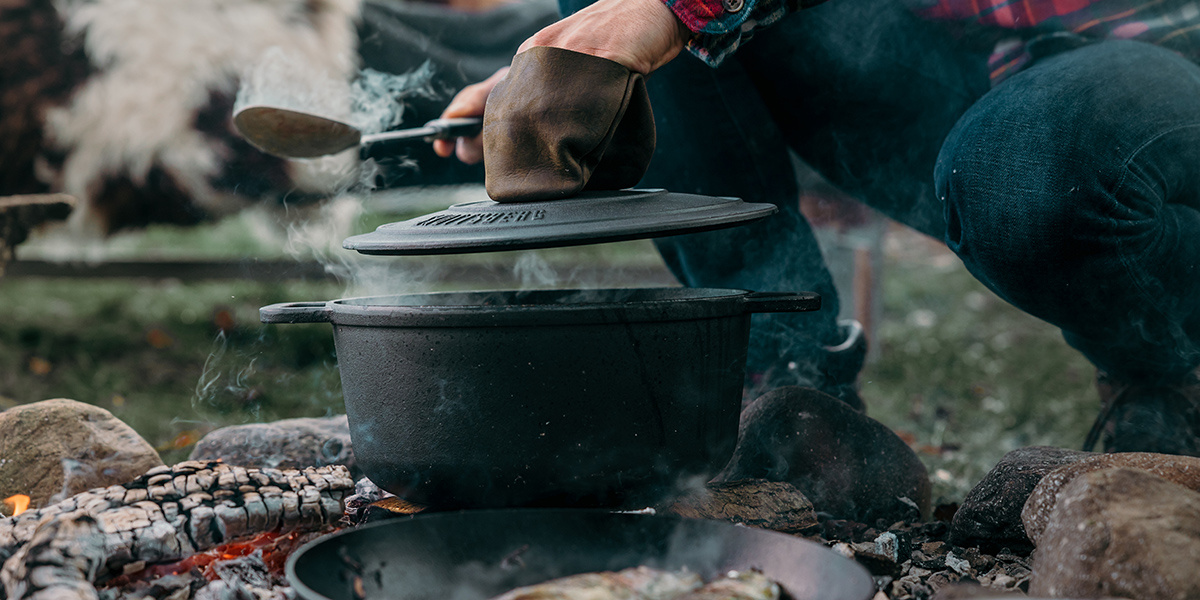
273,547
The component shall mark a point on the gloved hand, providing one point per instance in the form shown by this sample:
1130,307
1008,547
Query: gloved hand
561,122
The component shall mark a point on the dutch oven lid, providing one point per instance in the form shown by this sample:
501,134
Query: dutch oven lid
589,218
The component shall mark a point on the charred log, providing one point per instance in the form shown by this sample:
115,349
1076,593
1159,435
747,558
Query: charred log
59,561
20,214
166,515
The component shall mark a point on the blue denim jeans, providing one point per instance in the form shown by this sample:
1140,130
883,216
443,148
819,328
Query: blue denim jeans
1070,189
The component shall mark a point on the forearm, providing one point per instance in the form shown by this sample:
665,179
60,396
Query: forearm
641,35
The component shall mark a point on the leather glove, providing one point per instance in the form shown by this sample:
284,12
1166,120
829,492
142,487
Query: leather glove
562,122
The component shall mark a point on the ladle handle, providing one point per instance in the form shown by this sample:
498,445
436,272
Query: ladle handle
295,312
444,129
772,302
382,145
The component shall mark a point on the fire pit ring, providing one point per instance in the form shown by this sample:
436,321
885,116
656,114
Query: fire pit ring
480,554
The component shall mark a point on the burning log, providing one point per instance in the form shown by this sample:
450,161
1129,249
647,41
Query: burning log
166,515
241,578
16,504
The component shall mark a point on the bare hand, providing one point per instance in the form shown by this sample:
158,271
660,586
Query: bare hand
641,35
469,102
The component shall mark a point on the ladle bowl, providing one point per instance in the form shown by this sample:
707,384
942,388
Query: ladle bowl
291,133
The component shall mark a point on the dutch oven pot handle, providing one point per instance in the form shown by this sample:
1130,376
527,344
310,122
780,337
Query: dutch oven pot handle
295,312
771,302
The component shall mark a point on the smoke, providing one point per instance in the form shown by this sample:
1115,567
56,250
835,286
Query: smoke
210,375
79,475
537,556
317,233
320,238
533,271
225,381
283,80
670,558
373,102
378,99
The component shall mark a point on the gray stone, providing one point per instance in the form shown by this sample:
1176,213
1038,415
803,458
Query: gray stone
847,464
65,447
1182,470
286,444
990,515
887,544
1123,533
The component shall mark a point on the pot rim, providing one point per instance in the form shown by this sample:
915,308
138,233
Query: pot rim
541,307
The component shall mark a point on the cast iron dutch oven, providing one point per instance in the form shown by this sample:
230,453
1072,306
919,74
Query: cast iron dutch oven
473,555
546,398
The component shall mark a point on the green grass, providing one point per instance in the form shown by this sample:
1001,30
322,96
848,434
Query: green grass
173,361
960,374
968,377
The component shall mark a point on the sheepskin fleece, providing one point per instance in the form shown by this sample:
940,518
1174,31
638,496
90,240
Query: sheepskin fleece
156,66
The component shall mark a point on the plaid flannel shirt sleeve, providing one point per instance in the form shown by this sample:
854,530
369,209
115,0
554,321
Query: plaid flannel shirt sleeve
720,26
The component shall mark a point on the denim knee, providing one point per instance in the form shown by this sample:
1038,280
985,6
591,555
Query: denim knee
1040,172
1070,190
1004,215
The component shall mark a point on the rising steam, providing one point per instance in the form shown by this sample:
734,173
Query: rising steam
282,80
373,102
378,99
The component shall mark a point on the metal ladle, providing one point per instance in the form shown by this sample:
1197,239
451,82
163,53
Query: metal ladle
290,133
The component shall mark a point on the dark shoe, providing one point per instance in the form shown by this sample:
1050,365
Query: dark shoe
838,377
1161,417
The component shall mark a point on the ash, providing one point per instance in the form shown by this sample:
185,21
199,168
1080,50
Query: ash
242,578
912,561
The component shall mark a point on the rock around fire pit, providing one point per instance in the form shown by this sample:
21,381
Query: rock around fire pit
62,447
